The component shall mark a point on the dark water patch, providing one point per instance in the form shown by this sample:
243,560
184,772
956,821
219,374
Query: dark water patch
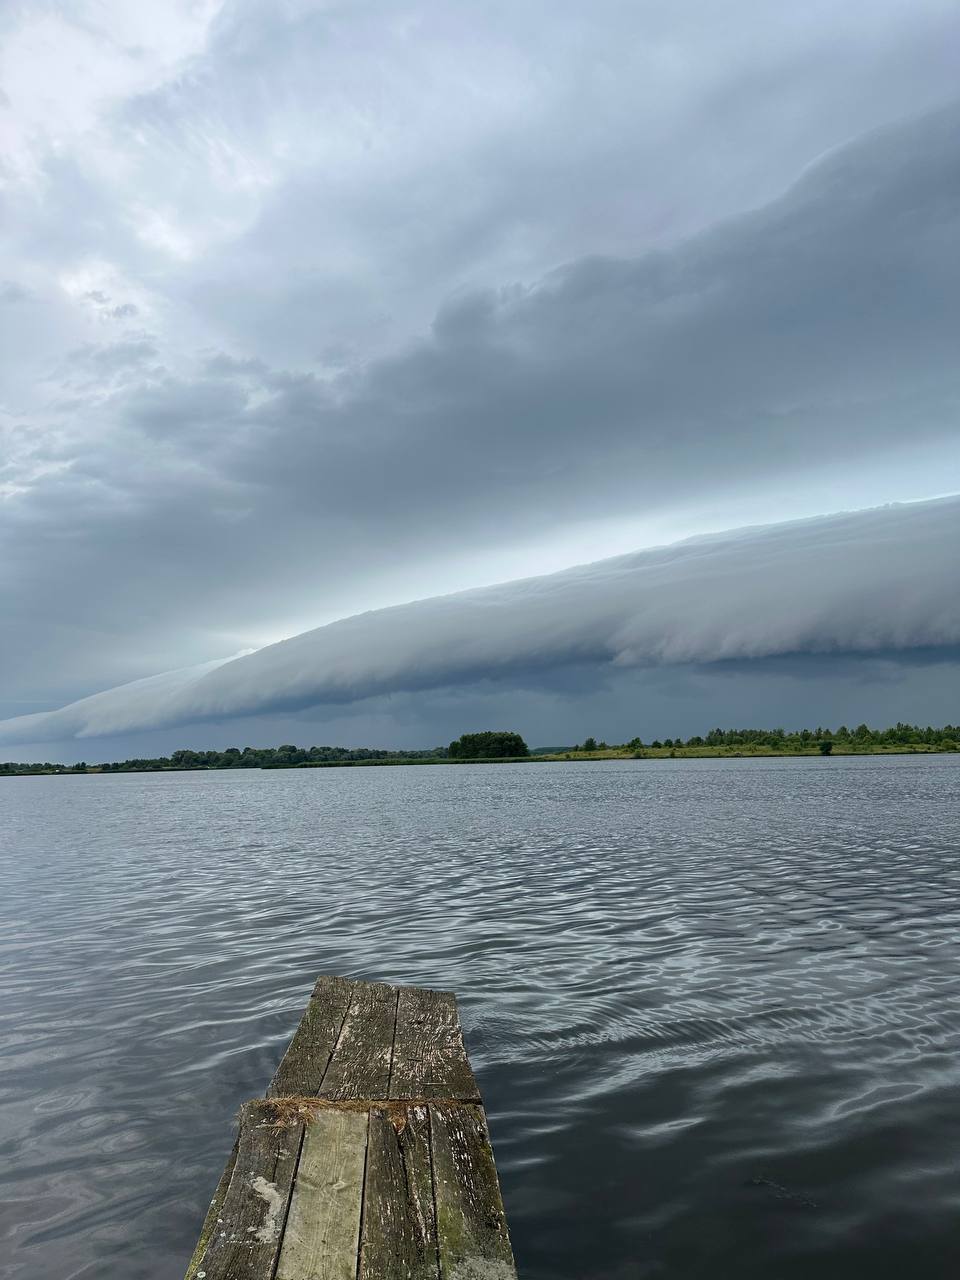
714,1006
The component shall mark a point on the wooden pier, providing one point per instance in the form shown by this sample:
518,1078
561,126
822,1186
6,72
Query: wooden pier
369,1157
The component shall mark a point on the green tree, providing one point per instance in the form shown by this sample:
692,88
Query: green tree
490,745
826,747
589,744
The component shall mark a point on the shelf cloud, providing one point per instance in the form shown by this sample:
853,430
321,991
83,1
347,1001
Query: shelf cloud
880,581
183,498
310,309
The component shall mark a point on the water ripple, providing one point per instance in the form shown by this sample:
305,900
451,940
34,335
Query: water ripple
714,1005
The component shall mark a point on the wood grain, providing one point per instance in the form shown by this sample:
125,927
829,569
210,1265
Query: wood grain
245,1239
472,1238
429,1058
360,1065
323,1228
387,1174
214,1213
303,1065
399,1236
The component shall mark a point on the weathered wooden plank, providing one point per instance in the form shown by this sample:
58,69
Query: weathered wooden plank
387,1175
214,1213
399,1237
314,1040
323,1227
429,1058
472,1238
360,1065
245,1239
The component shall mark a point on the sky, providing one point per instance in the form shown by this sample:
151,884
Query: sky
309,311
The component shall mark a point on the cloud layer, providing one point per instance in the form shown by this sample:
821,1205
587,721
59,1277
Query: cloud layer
314,308
864,583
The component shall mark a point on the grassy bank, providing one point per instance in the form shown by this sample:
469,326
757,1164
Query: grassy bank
748,749
645,753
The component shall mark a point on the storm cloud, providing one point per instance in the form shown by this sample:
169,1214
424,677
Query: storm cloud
308,310
865,583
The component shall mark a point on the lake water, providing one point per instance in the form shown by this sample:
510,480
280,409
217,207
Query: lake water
713,1006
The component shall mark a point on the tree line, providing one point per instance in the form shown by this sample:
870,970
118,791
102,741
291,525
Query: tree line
900,734
502,745
230,758
470,746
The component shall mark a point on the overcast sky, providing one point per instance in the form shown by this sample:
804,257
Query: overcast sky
308,309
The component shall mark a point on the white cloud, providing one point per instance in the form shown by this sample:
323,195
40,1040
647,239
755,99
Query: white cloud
62,65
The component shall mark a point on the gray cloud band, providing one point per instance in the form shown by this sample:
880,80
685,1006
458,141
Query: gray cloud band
867,582
796,340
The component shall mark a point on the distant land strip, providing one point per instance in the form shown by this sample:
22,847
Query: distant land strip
898,740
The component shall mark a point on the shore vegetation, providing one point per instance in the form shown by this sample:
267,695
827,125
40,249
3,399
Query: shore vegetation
502,747
488,746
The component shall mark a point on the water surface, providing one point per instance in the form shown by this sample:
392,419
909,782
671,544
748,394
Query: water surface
713,1006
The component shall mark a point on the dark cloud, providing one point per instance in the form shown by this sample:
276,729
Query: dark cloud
468,147
812,337
615,704
359,374
869,583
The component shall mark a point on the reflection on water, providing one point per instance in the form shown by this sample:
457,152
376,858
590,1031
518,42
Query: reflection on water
714,1006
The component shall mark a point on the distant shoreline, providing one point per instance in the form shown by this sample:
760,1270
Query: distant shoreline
645,753
744,752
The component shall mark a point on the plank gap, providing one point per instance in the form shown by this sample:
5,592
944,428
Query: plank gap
433,1188
308,1055
336,1046
393,1043
363,1198
286,1215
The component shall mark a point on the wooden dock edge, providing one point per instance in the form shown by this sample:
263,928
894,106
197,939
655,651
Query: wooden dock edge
332,1184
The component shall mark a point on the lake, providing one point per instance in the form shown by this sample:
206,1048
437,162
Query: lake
713,1005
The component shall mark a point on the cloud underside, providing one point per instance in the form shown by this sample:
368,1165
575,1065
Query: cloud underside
877,581
189,502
